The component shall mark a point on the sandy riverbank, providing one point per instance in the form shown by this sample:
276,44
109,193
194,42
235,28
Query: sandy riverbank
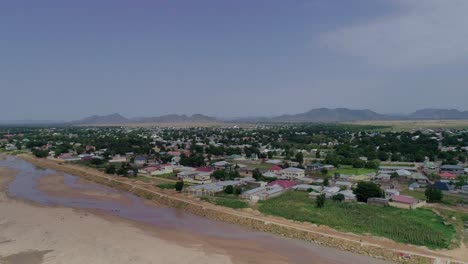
31,234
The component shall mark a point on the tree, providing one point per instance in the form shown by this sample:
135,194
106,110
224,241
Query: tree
256,174
219,174
237,191
365,190
382,155
40,153
229,189
433,195
324,171
338,197
320,201
110,169
179,186
300,157
326,181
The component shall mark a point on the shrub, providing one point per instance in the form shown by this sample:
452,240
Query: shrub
320,201
179,186
338,197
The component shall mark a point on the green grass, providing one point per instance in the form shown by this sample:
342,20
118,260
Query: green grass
166,186
165,175
447,199
418,227
397,165
143,179
262,166
234,203
457,218
350,171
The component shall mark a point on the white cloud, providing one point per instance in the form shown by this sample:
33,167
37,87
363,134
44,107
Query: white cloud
423,33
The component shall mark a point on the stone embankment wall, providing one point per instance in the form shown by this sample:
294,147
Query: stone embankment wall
255,223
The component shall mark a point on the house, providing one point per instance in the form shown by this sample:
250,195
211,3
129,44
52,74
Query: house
283,184
429,165
358,178
403,173
118,158
292,173
464,189
419,178
158,170
344,184
211,189
186,174
455,169
447,175
330,191
383,177
275,169
390,192
413,186
396,168
221,164
306,187
405,202
349,196
139,161
443,186
314,166
378,201
274,162
262,193
269,174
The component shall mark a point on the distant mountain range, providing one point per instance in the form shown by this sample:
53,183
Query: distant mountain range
331,115
432,113
322,115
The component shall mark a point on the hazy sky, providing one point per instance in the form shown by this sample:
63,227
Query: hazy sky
63,60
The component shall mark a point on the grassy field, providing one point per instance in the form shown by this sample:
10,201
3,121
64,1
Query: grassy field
397,164
262,166
230,202
408,125
447,199
418,227
350,171
457,219
166,186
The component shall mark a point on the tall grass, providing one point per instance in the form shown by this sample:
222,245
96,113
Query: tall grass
418,227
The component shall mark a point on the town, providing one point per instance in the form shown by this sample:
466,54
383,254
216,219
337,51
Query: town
278,169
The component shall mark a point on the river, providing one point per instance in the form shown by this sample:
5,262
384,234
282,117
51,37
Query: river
234,240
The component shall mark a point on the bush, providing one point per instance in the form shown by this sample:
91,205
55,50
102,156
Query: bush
110,169
179,186
320,202
229,189
40,153
338,197
433,195
366,190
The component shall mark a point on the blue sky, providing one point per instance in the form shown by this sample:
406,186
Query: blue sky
63,60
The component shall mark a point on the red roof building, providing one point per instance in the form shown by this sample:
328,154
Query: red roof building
275,168
447,176
204,169
403,199
283,184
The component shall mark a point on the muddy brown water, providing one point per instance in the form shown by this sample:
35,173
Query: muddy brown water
239,242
